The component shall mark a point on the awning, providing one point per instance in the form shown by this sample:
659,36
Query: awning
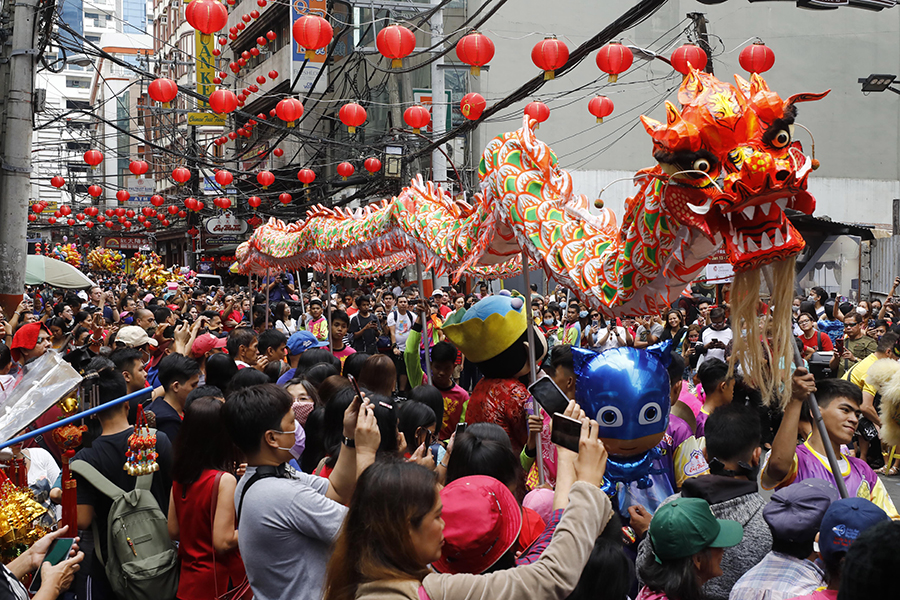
824,226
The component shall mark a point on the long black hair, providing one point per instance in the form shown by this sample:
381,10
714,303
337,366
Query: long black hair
677,578
203,443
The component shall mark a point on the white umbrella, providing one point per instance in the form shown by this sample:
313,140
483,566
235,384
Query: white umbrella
43,269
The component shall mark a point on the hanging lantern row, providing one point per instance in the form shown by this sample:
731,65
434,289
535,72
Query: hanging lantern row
352,115
138,167
163,90
206,16
289,110
614,58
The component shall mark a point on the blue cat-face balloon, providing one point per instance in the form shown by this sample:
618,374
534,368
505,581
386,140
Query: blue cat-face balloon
627,392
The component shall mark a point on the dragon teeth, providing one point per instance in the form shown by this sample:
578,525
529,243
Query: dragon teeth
765,208
782,202
765,243
778,238
749,212
751,246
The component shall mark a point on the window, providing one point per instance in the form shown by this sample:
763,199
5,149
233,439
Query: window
93,38
72,104
77,83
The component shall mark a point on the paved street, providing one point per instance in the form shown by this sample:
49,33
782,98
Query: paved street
893,487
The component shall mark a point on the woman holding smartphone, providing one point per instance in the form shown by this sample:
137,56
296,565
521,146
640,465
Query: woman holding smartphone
393,531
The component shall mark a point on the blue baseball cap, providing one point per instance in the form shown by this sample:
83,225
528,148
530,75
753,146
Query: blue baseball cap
302,341
844,521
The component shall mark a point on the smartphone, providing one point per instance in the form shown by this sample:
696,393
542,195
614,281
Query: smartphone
566,432
595,323
57,553
355,386
839,346
460,429
549,396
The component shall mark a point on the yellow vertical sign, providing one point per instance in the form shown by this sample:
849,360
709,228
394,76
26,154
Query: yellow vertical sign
206,71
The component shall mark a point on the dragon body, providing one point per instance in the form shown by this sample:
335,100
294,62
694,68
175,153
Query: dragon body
728,167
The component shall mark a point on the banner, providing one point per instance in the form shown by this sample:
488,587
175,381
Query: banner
206,71
315,64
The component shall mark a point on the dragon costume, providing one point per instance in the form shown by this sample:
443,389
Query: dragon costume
728,167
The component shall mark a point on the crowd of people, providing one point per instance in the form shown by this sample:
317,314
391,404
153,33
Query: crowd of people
305,448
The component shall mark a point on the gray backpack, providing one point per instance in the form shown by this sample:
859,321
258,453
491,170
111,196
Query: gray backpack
142,562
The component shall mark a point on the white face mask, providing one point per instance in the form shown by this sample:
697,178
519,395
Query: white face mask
860,310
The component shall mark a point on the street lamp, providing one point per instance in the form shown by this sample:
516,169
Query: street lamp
878,83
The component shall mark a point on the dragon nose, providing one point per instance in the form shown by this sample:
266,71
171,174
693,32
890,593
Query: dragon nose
781,175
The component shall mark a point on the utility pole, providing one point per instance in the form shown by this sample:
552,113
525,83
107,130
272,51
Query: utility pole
702,36
15,158
438,105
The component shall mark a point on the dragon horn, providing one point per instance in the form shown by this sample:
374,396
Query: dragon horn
808,97
691,87
743,86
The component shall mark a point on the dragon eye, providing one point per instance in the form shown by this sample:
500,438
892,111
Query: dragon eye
650,414
702,164
610,416
782,138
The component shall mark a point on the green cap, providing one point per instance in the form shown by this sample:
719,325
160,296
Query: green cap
686,526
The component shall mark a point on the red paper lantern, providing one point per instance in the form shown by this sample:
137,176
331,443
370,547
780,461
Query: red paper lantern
278,152
57,181
600,106
272,75
687,56
91,211
52,220
272,112
417,117
206,16
200,205
271,35
614,58
100,218
307,176
173,210
313,32
549,55
181,175
289,110
95,191
165,223
110,212
146,211
119,212
157,200
129,213
395,42
246,18
260,79
241,26
265,178
225,203
757,58
190,203
181,214
93,158
163,90
57,214
65,210
472,105
37,208
352,115
254,201
224,177
122,195
32,218
372,165
538,111
476,50
222,101
345,170
141,219
284,198
138,167
89,224
71,222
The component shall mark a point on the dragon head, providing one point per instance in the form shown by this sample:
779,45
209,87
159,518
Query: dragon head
732,166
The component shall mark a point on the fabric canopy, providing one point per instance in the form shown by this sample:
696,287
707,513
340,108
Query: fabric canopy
43,269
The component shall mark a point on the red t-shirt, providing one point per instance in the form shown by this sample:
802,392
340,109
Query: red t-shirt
816,340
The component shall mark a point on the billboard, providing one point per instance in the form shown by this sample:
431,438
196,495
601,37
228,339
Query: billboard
206,71
310,71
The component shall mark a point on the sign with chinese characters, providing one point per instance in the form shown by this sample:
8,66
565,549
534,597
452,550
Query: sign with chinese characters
127,243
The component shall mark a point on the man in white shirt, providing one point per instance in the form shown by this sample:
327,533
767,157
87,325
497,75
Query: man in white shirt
716,337
400,322
611,336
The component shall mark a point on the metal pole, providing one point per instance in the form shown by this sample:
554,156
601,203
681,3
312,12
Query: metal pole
328,304
77,417
532,365
438,102
823,432
15,158
424,318
252,298
300,293
266,292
